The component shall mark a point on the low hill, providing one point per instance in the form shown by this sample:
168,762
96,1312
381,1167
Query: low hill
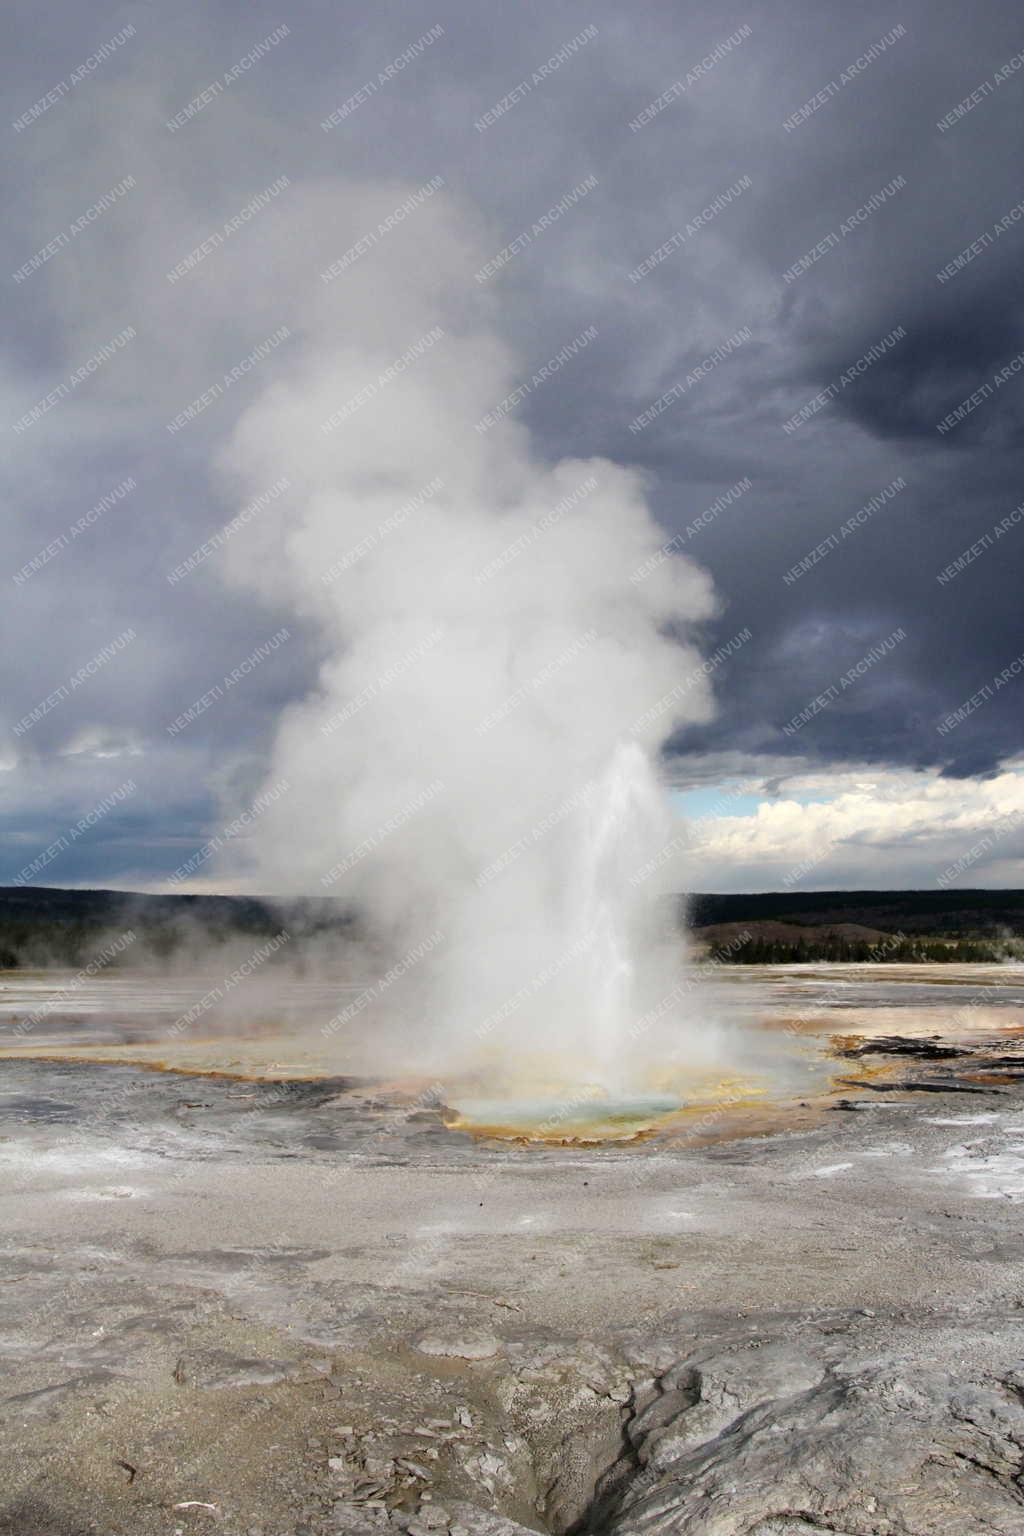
772,943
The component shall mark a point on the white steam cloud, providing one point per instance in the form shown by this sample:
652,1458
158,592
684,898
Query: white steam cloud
474,770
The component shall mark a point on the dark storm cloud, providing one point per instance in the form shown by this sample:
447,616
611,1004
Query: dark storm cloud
663,111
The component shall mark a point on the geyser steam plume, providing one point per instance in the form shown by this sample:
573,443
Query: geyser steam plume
475,768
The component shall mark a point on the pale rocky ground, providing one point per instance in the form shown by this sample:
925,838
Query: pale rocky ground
315,1309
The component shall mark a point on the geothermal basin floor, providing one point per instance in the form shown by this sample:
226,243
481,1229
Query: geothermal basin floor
299,1308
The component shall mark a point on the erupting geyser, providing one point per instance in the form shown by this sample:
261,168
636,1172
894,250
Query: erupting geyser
625,825
503,655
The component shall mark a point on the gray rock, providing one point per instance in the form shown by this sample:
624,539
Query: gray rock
214,1369
462,1344
484,1522
782,1441
357,1520
433,1516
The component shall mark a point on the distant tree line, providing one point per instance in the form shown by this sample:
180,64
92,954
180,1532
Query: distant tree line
764,951
42,927
964,912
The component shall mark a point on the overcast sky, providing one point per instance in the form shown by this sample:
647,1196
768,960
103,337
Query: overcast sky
759,211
